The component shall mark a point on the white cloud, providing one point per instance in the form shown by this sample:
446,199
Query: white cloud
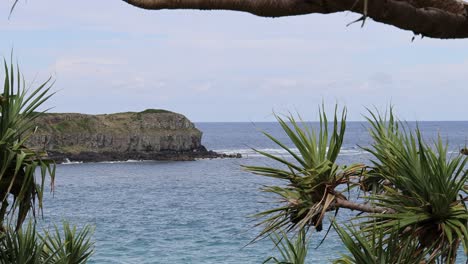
79,66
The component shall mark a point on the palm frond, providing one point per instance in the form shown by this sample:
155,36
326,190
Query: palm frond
311,173
424,187
377,247
27,246
18,164
21,246
292,252
71,247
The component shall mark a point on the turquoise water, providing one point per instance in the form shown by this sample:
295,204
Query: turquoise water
191,212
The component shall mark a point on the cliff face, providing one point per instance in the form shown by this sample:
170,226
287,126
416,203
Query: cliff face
118,136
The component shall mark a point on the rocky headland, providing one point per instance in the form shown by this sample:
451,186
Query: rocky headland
152,134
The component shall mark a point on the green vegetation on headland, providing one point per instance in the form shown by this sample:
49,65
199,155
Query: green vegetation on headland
155,111
129,135
153,134
102,123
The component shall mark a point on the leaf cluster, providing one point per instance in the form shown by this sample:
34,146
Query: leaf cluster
312,174
18,163
414,207
291,251
27,246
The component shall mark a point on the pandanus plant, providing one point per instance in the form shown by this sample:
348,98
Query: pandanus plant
291,251
28,246
21,189
425,189
18,163
414,202
379,247
312,174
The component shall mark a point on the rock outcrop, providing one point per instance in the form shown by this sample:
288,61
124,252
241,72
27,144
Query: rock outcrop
149,135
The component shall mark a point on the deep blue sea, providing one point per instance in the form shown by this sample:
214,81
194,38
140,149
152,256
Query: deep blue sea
196,211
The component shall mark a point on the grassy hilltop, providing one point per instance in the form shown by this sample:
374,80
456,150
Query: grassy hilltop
151,130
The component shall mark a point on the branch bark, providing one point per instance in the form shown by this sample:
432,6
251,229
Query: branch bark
431,18
342,203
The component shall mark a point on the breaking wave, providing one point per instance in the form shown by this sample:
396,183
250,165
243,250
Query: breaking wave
248,152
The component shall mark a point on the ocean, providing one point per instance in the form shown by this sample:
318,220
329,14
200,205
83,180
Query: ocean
195,211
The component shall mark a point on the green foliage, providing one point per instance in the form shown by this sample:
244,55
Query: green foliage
154,111
82,124
423,186
23,246
414,208
70,248
18,164
312,175
26,246
139,115
62,126
376,247
292,252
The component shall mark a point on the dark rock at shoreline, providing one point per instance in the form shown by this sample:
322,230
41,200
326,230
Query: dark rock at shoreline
121,156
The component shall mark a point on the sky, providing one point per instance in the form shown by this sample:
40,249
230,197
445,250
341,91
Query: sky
106,56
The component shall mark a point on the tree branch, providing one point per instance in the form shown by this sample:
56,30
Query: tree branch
431,18
342,203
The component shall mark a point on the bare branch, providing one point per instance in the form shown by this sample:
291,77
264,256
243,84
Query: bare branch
431,18
342,203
